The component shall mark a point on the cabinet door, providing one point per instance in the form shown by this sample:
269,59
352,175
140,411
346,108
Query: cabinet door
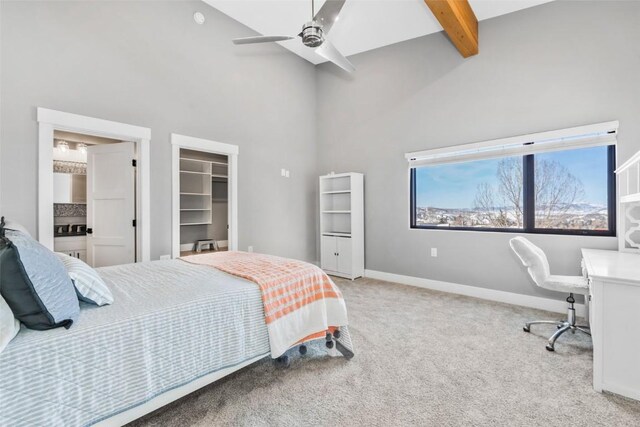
345,260
328,256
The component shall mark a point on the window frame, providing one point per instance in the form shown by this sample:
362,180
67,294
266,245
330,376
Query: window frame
528,172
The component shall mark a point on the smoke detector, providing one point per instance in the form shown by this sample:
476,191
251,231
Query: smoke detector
199,18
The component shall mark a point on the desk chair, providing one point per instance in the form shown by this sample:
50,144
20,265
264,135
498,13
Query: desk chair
536,262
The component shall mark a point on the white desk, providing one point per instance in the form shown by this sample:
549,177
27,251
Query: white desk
614,286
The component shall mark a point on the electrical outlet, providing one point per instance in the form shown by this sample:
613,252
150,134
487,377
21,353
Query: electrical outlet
165,257
287,173
434,252
283,172
250,249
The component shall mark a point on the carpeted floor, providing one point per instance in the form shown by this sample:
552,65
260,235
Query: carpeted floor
422,358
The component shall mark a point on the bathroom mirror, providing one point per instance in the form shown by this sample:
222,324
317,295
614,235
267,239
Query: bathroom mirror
69,188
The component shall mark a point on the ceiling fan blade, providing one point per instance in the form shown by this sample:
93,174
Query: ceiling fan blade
261,39
329,52
328,14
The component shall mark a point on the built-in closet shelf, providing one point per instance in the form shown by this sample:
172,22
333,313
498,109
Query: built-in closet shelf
336,234
202,161
194,173
337,192
195,210
336,212
195,194
194,223
219,176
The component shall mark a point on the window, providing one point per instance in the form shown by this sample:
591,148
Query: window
556,192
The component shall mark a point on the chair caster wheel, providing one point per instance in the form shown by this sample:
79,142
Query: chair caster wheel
559,326
336,333
302,349
283,361
550,348
329,344
526,329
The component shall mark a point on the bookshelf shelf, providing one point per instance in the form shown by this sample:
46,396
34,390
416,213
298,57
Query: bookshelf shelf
342,224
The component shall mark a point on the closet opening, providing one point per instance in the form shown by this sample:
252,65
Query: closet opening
204,202
204,196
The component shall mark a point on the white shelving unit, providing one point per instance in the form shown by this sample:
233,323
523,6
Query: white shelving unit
195,192
629,204
342,224
202,182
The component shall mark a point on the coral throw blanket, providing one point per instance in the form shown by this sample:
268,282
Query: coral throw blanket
300,301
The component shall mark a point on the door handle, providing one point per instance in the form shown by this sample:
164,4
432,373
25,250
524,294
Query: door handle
89,230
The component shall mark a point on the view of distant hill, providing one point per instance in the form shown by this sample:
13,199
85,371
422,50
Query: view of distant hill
582,216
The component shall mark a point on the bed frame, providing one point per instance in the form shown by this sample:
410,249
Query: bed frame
167,397
332,342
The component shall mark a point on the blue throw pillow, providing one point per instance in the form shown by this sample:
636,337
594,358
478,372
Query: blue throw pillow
34,283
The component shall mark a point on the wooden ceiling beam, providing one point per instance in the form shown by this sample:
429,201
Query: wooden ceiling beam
459,22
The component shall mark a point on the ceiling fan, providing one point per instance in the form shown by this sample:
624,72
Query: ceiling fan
313,34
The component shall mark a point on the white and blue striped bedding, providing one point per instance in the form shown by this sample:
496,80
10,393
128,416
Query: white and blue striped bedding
170,323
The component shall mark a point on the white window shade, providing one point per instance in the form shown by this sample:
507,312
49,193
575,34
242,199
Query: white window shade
565,139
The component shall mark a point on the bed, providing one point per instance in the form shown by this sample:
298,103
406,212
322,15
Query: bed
173,328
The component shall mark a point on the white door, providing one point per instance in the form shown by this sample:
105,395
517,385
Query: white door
328,257
345,264
111,233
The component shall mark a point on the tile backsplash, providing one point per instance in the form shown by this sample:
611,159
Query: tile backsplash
69,209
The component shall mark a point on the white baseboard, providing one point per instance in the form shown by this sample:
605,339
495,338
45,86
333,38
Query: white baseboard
476,292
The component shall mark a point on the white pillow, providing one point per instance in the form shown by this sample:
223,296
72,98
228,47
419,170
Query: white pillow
12,225
89,285
9,325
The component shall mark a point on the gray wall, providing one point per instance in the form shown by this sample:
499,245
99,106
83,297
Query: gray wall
150,65
550,67
554,66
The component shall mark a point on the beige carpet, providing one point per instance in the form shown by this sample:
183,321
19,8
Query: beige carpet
422,358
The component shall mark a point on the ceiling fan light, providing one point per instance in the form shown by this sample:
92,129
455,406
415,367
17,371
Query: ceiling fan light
312,35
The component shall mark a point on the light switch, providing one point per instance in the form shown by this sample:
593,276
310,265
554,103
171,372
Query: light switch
434,252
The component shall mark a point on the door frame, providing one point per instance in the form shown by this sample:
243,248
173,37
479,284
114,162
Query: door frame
191,143
52,120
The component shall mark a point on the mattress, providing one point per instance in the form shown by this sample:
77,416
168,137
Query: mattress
171,322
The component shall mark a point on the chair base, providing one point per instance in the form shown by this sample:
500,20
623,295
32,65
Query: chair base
562,325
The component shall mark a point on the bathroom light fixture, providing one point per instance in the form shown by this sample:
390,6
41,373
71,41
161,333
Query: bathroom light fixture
82,147
63,146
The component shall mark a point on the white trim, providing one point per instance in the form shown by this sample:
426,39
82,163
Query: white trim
92,126
51,120
476,292
563,139
163,399
199,144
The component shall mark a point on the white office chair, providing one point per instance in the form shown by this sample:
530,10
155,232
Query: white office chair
536,262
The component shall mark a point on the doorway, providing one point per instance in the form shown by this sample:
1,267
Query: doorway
204,195
94,199
135,149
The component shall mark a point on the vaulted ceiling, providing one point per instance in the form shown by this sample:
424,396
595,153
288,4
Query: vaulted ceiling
363,25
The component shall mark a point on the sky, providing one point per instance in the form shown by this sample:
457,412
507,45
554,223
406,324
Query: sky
455,185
